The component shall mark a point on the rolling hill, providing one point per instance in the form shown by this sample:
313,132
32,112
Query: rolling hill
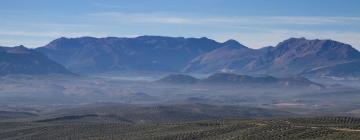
241,80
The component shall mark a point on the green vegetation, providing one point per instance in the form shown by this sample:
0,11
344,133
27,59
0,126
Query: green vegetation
323,128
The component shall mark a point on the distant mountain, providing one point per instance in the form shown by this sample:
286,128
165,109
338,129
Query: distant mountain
20,60
144,53
242,80
290,57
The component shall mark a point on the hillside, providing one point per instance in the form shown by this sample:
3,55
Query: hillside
348,70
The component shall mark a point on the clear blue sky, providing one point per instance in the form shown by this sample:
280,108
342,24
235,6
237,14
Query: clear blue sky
255,23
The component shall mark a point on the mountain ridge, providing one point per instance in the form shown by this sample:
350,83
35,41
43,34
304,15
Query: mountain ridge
291,57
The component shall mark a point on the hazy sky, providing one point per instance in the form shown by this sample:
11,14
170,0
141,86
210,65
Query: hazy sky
255,23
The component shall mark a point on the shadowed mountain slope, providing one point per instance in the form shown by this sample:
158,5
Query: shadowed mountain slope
20,60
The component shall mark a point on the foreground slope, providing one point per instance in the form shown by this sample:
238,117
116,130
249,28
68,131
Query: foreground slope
326,128
20,60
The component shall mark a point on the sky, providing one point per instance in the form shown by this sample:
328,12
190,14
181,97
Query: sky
254,23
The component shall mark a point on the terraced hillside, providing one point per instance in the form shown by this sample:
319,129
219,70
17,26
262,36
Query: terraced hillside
325,128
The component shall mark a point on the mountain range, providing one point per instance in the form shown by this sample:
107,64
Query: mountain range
292,57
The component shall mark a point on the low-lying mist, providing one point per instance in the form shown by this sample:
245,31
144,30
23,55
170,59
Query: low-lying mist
53,91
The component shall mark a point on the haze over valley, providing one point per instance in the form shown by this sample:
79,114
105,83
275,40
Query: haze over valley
157,70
